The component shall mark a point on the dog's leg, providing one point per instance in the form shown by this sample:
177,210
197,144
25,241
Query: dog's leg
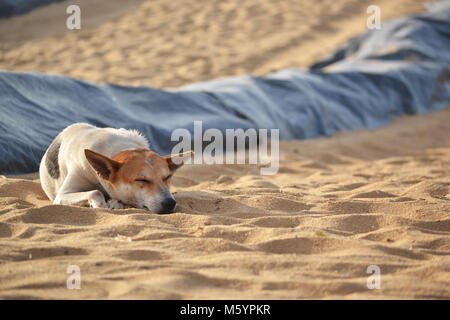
93,198
68,194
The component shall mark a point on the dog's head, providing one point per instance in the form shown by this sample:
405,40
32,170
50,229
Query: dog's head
139,177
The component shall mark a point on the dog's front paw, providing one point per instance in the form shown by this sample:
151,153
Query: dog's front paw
97,200
115,204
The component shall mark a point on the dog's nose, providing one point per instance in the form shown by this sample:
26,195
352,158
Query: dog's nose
168,204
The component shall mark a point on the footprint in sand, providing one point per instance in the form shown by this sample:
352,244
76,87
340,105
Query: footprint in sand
5,230
139,255
44,252
374,194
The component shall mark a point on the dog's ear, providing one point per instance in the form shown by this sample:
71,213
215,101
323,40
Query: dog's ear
175,161
102,165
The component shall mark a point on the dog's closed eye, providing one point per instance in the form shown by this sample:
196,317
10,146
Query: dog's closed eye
167,178
143,181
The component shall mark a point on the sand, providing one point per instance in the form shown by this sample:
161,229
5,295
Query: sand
171,43
337,206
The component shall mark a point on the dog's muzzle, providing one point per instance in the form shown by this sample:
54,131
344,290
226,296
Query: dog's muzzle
168,205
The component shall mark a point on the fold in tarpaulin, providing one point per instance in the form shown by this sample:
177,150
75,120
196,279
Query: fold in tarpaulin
402,68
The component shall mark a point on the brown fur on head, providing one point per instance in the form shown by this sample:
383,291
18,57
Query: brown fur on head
139,177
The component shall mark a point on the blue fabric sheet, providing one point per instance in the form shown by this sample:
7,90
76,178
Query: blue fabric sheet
402,68
10,8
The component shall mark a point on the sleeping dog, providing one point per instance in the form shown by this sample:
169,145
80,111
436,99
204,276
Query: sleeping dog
108,168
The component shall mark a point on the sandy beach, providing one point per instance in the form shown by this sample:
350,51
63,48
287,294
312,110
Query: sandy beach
337,205
172,43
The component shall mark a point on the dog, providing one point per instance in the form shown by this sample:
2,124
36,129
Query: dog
108,168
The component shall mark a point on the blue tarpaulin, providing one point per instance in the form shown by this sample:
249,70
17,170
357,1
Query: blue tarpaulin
13,7
402,68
